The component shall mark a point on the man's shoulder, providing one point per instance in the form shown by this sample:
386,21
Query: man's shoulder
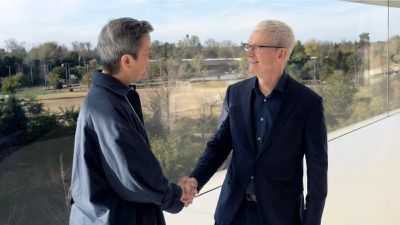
101,102
249,82
101,95
302,88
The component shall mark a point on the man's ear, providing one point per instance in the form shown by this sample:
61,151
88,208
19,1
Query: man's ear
283,53
126,60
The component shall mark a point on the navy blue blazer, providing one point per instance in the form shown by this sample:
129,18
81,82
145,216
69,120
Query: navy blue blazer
297,131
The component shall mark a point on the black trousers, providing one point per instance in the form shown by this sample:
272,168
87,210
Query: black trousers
247,214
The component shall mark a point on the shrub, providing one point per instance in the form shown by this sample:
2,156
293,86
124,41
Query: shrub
54,80
12,116
41,124
69,116
10,84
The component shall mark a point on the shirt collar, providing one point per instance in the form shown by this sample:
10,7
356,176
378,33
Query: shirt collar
280,86
111,83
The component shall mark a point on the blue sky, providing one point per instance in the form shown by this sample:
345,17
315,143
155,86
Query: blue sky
64,21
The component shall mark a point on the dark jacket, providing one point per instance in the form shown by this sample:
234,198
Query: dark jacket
116,179
298,130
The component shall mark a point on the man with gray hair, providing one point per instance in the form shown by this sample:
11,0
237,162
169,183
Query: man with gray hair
116,179
269,122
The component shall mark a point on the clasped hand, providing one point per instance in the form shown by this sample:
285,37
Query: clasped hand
189,189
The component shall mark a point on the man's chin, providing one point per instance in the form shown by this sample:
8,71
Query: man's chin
252,71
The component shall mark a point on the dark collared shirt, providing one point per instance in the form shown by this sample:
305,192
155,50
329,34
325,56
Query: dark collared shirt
264,109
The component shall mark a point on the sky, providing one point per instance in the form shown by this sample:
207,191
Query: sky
64,21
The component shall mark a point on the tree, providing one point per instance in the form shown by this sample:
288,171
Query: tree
244,66
298,55
58,76
365,105
78,71
87,80
163,50
92,66
206,122
174,155
228,49
185,71
22,79
49,52
2,53
189,47
68,116
171,68
312,48
298,59
154,70
10,84
198,63
338,94
12,117
84,51
154,124
73,58
211,48
15,49
54,80
364,39
32,107
394,46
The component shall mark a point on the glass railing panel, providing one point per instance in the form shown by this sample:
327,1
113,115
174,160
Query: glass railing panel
394,59
345,52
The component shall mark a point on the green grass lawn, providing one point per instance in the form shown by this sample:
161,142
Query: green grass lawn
25,93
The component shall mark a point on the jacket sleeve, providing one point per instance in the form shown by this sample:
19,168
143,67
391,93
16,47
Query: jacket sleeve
130,166
217,149
317,165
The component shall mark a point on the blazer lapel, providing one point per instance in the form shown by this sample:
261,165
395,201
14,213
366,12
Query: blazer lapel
289,100
247,113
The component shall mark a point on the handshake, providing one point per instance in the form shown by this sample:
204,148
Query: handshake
189,189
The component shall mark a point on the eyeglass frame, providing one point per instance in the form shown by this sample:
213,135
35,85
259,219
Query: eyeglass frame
247,47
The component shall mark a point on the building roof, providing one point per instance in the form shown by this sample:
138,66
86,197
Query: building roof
392,3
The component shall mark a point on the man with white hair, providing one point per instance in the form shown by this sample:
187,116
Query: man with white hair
269,122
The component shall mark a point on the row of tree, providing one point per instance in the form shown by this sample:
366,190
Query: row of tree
311,60
335,70
345,66
350,75
82,57
15,58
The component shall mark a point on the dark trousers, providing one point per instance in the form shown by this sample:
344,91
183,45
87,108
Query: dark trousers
247,214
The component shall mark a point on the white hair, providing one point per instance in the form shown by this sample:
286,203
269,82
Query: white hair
280,34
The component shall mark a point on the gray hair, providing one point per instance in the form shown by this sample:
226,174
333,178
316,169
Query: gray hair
118,37
280,34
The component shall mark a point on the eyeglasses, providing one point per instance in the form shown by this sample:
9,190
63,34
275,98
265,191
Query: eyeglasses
247,47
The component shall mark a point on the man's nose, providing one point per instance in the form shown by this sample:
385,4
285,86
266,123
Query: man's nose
250,52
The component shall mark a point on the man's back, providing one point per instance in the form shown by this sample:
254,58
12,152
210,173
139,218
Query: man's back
112,160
